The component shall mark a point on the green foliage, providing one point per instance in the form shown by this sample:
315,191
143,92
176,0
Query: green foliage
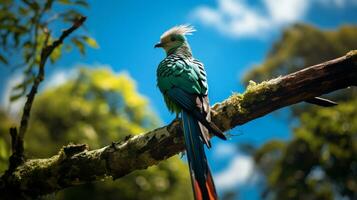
97,107
301,46
5,124
320,162
23,26
93,108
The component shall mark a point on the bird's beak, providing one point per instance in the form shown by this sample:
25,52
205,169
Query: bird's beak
158,45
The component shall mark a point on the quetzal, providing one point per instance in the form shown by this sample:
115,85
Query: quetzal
182,81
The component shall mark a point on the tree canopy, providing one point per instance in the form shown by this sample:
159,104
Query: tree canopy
303,45
26,25
320,160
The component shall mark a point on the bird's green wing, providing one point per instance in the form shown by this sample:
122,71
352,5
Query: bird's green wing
186,74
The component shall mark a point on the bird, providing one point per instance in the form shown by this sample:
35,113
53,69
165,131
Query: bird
182,80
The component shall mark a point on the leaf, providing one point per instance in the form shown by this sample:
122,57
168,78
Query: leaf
70,15
27,55
15,97
3,60
16,37
79,44
21,87
27,44
90,42
67,48
6,3
34,5
82,3
56,54
23,11
66,2
48,4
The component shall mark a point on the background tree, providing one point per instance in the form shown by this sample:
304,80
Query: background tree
97,107
24,26
320,161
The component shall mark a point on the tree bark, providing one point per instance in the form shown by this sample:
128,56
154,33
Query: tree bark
75,164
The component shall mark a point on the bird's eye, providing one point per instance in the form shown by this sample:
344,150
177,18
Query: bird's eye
173,39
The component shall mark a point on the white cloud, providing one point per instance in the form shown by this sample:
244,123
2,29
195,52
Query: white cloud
224,150
338,3
286,11
62,74
232,17
238,19
239,171
13,108
59,77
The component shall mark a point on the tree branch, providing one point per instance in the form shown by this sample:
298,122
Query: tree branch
45,53
18,138
43,176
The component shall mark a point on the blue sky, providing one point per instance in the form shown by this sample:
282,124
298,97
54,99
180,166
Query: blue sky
232,36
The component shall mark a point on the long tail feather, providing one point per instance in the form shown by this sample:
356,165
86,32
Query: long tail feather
188,103
201,178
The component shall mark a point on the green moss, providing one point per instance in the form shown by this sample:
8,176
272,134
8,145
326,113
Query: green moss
36,172
235,102
61,154
161,133
223,112
258,92
239,104
36,164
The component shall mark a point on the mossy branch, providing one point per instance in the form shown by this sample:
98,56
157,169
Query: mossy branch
76,165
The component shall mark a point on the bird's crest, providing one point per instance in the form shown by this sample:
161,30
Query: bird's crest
185,29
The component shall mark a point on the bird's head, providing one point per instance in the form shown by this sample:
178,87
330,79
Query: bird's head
174,37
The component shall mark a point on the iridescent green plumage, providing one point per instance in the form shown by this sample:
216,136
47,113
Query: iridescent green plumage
183,83
178,71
